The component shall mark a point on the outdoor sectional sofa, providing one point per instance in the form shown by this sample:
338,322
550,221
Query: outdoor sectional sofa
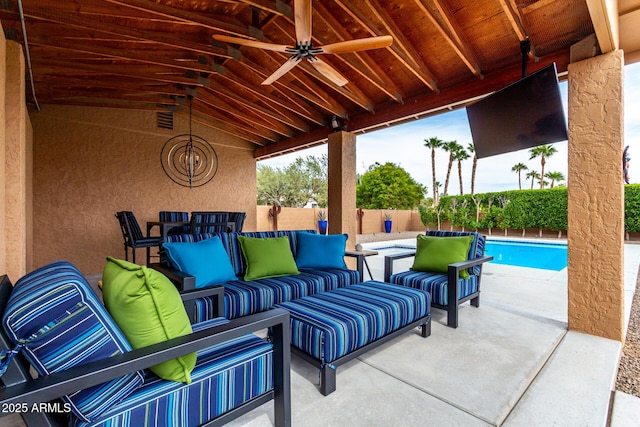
334,317
243,297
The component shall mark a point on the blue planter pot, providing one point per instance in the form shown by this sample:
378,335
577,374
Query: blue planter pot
387,225
322,226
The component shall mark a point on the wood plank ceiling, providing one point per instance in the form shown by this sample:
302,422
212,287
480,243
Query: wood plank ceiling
144,54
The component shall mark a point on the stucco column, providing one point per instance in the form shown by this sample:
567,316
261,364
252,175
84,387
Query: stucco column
3,229
342,185
16,151
596,196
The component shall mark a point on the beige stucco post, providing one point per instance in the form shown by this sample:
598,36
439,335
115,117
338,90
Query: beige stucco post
3,230
17,174
342,185
596,196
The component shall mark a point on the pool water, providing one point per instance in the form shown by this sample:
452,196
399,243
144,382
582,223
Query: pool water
548,256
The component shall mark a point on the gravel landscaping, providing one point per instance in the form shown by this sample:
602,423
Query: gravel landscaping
629,370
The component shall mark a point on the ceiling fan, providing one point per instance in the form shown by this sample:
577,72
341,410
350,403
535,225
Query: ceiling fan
304,48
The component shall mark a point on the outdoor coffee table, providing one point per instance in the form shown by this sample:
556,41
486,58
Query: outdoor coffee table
330,328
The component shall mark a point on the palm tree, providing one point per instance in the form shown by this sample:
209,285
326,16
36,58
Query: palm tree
533,175
554,177
451,147
472,149
518,168
433,143
544,152
437,186
460,154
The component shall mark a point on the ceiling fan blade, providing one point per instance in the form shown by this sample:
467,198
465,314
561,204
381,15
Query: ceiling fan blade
328,71
357,45
252,43
291,62
302,19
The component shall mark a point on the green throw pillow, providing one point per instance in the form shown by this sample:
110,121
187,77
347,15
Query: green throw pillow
267,257
148,309
434,254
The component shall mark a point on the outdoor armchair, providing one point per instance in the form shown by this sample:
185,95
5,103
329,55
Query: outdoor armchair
437,283
115,386
133,237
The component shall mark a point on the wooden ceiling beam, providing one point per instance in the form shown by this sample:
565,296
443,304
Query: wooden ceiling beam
451,32
72,83
56,94
46,15
117,70
261,92
326,102
175,13
264,112
263,127
212,112
222,126
278,7
362,60
122,54
399,47
510,10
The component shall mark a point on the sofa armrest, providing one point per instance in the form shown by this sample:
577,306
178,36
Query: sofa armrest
458,266
388,262
183,281
189,297
49,387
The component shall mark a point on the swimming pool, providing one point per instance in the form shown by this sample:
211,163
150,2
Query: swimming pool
548,256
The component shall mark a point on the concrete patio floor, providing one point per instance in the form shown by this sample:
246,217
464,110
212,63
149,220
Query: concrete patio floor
511,362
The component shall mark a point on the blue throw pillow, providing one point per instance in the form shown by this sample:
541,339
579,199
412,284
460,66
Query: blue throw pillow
320,251
206,260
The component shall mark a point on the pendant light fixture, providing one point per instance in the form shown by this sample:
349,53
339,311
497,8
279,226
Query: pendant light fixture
187,159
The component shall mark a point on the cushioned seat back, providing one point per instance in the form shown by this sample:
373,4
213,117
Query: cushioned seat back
476,250
55,315
134,227
173,216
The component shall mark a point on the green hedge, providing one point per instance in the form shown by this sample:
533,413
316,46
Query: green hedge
519,209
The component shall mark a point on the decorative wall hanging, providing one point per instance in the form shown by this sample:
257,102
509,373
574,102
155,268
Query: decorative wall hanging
189,160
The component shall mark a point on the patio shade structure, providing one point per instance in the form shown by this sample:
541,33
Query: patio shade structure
142,54
98,66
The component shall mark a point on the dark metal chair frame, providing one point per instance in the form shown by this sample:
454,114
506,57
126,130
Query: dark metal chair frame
453,272
132,235
21,391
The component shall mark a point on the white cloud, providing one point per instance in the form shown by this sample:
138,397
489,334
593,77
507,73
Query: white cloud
404,145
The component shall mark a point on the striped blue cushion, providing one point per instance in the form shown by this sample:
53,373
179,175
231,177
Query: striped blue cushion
332,278
72,328
476,250
225,377
332,324
243,298
435,284
173,216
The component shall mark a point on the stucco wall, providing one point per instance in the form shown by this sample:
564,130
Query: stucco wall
596,197
307,219
92,162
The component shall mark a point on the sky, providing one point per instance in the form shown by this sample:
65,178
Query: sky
404,145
